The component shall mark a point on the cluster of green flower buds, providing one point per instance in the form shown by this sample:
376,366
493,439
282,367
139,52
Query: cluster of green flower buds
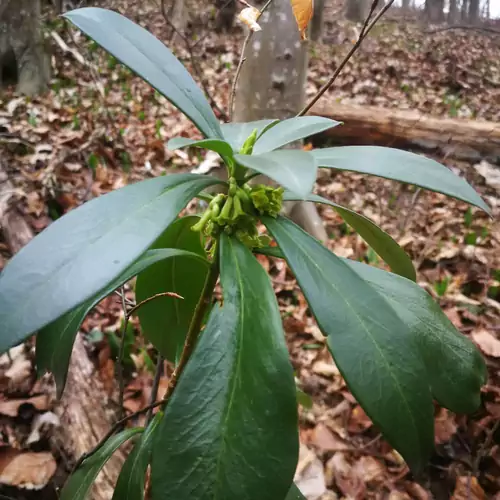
237,212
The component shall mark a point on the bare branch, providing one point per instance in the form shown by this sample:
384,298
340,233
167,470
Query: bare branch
346,59
241,62
156,385
119,361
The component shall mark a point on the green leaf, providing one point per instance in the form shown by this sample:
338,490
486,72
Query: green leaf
54,342
375,351
400,166
79,483
237,133
291,130
304,399
377,238
150,59
165,322
295,494
217,145
455,368
131,481
293,169
230,430
82,252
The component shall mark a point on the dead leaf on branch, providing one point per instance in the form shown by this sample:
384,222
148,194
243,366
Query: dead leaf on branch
249,16
303,12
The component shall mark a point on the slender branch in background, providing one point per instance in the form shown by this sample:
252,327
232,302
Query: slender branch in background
194,63
154,389
241,62
483,29
219,10
153,297
346,59
119,361
369,17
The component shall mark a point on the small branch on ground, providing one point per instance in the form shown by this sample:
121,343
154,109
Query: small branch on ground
121,351
481,29
346,59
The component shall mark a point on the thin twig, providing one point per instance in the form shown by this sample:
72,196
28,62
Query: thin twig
242,61
194,63
483,450
355,47
153,297
190,343
369,17
207,32
119,361
117,425
154,389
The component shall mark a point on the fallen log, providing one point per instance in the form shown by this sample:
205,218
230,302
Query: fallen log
469,140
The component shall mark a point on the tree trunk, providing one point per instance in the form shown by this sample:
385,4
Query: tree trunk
272,85
464,10
367,125
406,5
225,15
357,10
473,11
434,10
453,12
178,16
317,21
22,50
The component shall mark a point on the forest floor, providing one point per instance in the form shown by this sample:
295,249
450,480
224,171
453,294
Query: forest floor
100,128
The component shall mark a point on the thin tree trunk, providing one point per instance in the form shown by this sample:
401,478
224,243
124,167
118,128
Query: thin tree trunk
272,85
20,35
453,12
473,11
464,10
317,21
357,10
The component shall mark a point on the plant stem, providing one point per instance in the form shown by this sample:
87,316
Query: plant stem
119,361
362,36
154,389
196,324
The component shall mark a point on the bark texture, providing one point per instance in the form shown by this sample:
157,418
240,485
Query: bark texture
22,49
86,416
317,22
272,85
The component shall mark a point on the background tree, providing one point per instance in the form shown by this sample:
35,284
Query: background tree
22,50
453,12
473,15
225,15
434,10
318,20
272,85
357,10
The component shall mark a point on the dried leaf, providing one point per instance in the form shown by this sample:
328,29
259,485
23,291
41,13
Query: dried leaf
303,12
27,470
468,488
249,16
11,407
488,343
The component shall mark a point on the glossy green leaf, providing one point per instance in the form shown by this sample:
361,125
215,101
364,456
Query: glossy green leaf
291,130
375,351
455,368
230,430
165,321
131,481
82,252
237,133
377,238
78,485
400,166
54,342
217,145
295,494
304,399
293,169
144,54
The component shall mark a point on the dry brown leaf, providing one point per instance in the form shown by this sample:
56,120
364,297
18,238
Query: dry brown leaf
468,488
249,16
31,471
487,342
11,407
445,426
325,440
369,470
303,12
